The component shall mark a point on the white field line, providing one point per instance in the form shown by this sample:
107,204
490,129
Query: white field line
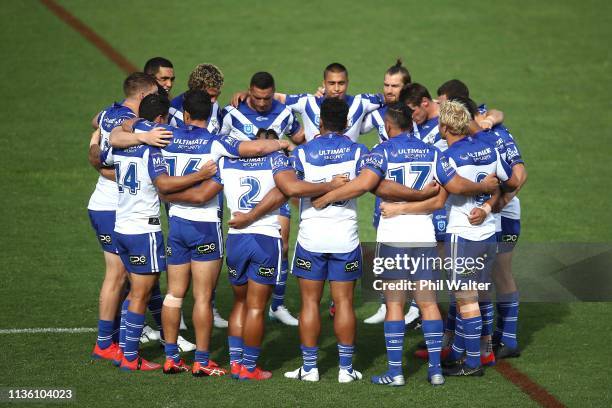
35,330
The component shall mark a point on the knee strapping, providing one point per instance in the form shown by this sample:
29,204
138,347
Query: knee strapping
171,301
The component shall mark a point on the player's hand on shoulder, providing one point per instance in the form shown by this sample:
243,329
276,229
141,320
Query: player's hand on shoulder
95,138
158,137
338,181
485,122
389,210
285,145
320,92
208,170
240,220
490,183
477,216
238,97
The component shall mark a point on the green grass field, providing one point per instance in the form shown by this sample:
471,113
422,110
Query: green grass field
546,64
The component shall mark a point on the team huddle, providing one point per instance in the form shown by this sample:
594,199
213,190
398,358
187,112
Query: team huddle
445,175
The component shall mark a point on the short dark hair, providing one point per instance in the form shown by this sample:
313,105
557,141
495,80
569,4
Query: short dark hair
334,112
399,68
454,88
198,104
400,114
266,134
335,67
262,80
137,82
153,65
152,106
468,103
413,94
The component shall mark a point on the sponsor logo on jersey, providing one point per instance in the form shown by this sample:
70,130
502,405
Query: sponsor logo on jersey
303,264
105,239
266,272
381,130
280,161
317,119
138,260
261,118
248,129
207,248
351,266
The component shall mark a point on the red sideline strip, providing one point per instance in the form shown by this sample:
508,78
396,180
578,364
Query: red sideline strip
93,38
529,387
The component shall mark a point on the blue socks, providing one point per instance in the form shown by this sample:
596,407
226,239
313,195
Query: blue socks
278,295
202,357
507,314
394,342
451,316
155,307
134,322
172,351
345,353
486,312
309,357
124,308
472,328
105,333
458,347
250,356
236,345
433,332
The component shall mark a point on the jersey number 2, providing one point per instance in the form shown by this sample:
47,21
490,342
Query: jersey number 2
247,199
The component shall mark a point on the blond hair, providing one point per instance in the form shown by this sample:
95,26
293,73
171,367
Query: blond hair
455,115
205,76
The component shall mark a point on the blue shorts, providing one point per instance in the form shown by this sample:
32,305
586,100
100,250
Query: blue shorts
142,253
103,222
285,210
509,235
193,241
419,267
327,266
472,260
253,256
439,221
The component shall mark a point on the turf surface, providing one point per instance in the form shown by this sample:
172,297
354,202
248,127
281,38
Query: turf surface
545,64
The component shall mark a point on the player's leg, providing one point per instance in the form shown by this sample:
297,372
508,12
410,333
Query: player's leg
433,329
178,283
344,270
278,310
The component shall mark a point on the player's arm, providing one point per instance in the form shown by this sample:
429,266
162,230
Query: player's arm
255,148
291,186
197,195
166,184
94,150
517,180
490,118
364,182
95,120
271,201
479,214
390,190
418,207
462,186
121,137
298,137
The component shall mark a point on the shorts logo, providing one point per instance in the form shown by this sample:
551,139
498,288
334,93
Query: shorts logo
206,248
266,272
303,264
248,129
105,239
351,266
441,225
232,272
509,238
168,250
138,260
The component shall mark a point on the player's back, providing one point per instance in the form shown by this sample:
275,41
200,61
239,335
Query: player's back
413,163
243,123
104,197
429,132
473,159
246,181
376,120
175,115
334,228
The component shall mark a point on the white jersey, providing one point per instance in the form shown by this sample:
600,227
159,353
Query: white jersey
135,169
334,228
175,115
308,106
246,182
243,123
473,160
413,163
192,147
376,120
105,196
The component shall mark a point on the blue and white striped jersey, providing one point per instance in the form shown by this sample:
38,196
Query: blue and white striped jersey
175,115
243,122
308,106
413,163
105,196
246,182
318,161
376,120
429,133
473,159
